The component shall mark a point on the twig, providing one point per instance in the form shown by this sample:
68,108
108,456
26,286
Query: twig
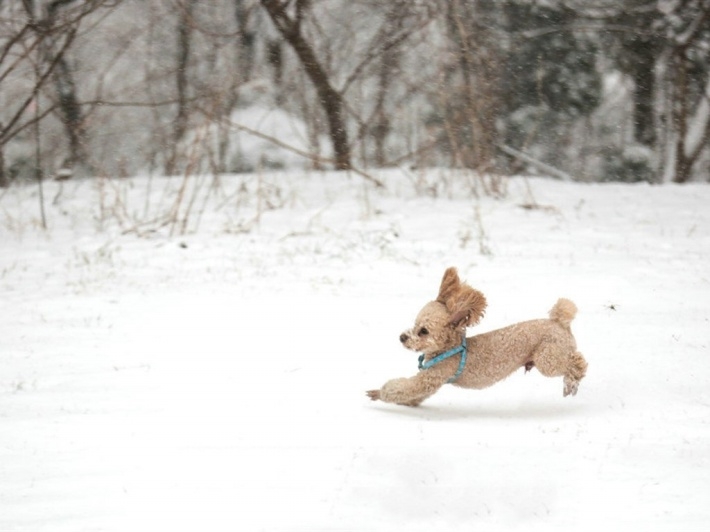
550,170
302,153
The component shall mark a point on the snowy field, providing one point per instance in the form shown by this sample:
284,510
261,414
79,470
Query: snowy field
193,356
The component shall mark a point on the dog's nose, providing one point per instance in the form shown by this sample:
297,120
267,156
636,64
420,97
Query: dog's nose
403,337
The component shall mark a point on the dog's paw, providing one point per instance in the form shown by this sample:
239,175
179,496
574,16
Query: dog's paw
373,394
570,388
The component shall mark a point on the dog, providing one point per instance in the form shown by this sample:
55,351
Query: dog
439,333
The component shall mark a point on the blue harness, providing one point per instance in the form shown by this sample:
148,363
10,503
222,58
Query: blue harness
443,356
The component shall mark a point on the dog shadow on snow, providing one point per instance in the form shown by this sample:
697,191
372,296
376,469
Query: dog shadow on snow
453,412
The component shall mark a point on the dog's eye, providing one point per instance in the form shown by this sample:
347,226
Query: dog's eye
423,331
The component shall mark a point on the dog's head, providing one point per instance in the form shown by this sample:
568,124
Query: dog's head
441,323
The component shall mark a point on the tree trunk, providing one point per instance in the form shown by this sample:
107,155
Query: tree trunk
184,32
69,108
330,99
71,114
245,41
4,181
643,96
274,56
381,126
680,119
692,128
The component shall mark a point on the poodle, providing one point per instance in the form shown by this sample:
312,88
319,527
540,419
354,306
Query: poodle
439,333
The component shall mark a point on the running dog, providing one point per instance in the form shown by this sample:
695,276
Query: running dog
439,333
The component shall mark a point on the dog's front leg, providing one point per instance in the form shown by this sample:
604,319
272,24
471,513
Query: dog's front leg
409,391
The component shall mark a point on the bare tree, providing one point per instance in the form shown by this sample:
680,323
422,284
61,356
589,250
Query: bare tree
381,123
47,20
245,41
40,44
4,180
377,70
290,28
664,51
185,24
691,113
470,95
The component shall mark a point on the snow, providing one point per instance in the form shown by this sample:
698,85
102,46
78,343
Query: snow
200,363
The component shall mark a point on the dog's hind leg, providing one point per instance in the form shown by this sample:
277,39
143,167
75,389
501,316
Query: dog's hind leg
552,361
549,360
576,370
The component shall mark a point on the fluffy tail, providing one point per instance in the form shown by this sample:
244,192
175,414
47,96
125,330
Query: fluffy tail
563,312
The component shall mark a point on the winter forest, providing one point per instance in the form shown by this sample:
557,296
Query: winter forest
584,90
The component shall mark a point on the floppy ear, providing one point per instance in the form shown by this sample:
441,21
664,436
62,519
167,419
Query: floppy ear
458,318
450,284
467,308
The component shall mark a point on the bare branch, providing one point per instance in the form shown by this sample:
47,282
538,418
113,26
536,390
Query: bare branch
293,149
38,85
377,51
546,168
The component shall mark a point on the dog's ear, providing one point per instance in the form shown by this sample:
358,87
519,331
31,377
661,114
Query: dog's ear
458,319
467,308
450,284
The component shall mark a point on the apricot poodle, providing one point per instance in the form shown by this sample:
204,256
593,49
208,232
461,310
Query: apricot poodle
439,333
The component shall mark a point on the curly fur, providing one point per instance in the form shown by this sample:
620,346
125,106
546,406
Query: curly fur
546,344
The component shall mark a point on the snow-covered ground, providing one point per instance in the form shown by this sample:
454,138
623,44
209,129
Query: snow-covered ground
193,355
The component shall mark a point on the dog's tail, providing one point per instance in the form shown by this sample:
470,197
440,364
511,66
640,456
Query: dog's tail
563,312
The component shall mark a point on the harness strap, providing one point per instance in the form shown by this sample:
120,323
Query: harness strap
426,364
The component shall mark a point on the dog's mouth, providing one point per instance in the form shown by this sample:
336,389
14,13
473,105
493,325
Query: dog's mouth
404,339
